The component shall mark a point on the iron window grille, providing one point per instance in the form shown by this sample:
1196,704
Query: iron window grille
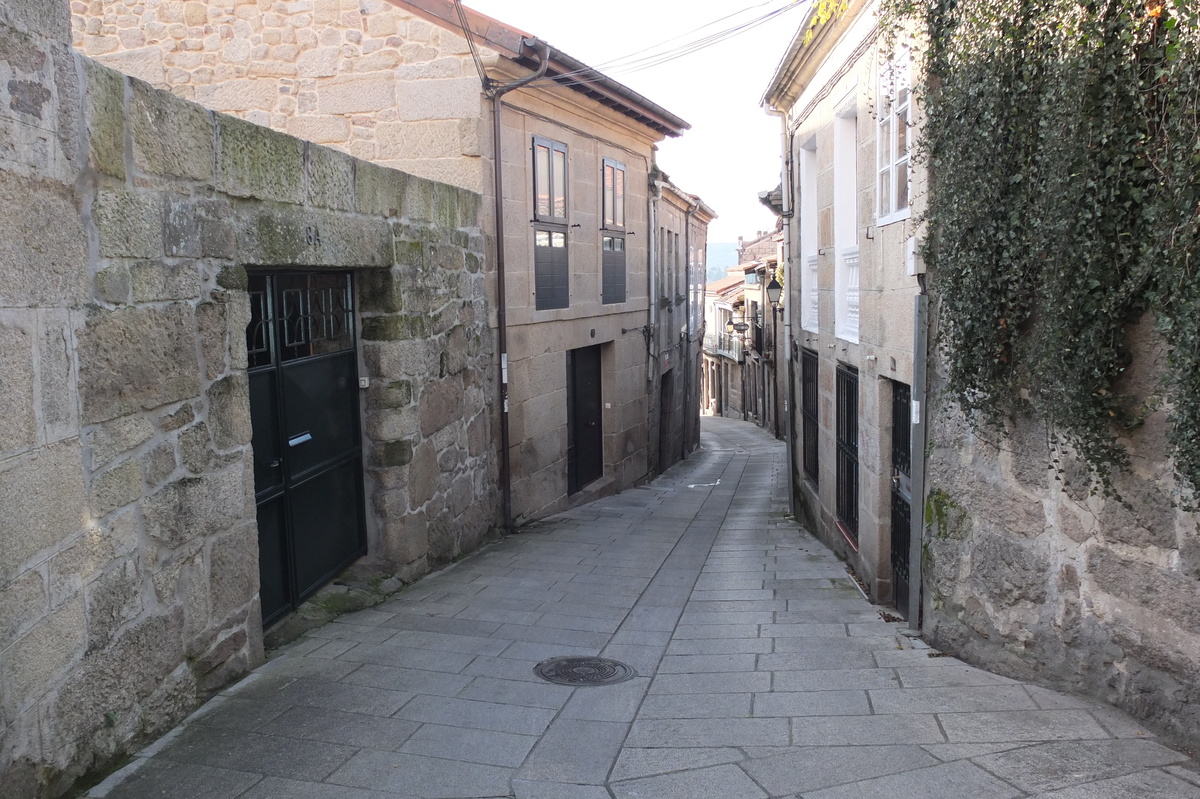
847,451
809,415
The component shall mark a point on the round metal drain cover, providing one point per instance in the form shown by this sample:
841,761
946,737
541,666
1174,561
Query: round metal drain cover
583,671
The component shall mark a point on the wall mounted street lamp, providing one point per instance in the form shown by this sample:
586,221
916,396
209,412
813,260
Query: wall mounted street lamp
774,293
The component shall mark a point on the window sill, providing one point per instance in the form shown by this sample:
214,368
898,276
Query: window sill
899,216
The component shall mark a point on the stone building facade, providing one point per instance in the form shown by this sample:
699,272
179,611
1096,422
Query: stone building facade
396,83
677,319
362,76
136,227
723,383
849,197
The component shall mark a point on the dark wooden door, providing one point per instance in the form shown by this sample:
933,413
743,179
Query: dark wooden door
585,429
307,446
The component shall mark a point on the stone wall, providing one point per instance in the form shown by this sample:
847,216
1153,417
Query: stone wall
361,76
128,575
1029,574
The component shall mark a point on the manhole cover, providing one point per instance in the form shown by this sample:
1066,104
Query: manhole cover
583,671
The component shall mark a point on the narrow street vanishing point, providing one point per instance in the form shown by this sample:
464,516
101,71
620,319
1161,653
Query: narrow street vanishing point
747,664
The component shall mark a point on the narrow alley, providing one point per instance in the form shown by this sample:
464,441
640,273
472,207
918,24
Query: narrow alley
760,671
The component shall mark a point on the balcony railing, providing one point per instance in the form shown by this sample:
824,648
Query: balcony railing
726,344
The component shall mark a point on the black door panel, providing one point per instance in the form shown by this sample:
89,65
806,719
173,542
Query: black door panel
307,446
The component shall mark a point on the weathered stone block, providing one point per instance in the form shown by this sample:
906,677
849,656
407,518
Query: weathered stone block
136,359
229,412
143,63
159,464
319,129
112,599
441,404
114,284
233,571
195,449
452,98
171,137
56,373
18,422
423,475
116,437
357,94
155,281
396,394
308,237
406,539
130,223
198,228
330,179
91,553
379,292
116,488
390,454
239,95
30,522
37,269
105,119
114,678
37,658
381,191
196,506
22,602
52,20
1010,571
258,162
394,328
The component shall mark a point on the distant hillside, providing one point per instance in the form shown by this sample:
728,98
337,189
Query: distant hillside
721,256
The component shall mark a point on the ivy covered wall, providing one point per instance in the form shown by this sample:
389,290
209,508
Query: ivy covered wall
1063,141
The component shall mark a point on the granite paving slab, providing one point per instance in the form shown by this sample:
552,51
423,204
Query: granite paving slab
762,673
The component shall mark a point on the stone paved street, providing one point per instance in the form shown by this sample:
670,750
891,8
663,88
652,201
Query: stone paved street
761,672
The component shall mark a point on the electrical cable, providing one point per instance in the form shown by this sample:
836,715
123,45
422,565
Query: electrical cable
635,62
462,18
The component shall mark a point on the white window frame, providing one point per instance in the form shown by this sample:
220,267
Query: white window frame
894,167
845,225
810,276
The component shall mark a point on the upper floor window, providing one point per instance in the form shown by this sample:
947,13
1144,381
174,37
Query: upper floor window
614,195
895,105
549,180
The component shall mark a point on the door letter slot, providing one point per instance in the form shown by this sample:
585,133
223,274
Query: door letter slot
296,441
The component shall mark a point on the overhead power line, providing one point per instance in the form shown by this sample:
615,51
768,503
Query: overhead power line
658,54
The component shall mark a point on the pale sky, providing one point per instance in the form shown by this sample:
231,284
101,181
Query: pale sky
732,151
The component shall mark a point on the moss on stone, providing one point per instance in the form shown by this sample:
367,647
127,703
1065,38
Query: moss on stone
233,278
390,454
394,328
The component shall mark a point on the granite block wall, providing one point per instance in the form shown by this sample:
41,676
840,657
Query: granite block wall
128,219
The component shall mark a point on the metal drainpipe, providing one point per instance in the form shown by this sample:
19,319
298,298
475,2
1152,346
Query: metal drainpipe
920,393
687,326
788,226
652,257
496,92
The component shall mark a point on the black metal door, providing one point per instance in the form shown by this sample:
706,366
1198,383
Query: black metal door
585,431
901,492
307,447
